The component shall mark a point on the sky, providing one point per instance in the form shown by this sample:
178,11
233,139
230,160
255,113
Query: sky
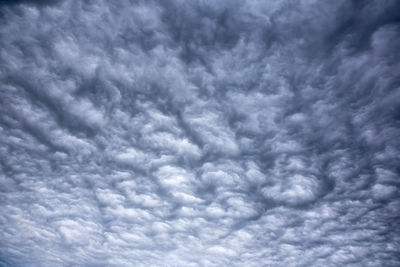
199,133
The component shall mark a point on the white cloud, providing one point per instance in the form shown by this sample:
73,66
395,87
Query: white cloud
176,133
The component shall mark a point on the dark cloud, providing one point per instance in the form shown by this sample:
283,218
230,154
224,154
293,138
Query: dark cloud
29,2
206,133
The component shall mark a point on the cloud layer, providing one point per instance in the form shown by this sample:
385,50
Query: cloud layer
199,133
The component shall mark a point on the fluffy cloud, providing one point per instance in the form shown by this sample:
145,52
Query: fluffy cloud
209,133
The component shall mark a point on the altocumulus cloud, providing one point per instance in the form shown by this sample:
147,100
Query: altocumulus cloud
199,133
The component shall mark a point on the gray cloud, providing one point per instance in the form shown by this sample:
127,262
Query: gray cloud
210,133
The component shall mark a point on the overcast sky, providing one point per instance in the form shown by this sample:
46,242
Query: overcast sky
200,133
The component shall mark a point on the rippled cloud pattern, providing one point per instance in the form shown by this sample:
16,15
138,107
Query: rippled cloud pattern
199,133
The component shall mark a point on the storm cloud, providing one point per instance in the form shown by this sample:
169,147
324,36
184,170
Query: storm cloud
199,133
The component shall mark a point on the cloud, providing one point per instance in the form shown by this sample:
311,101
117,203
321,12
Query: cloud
211,133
